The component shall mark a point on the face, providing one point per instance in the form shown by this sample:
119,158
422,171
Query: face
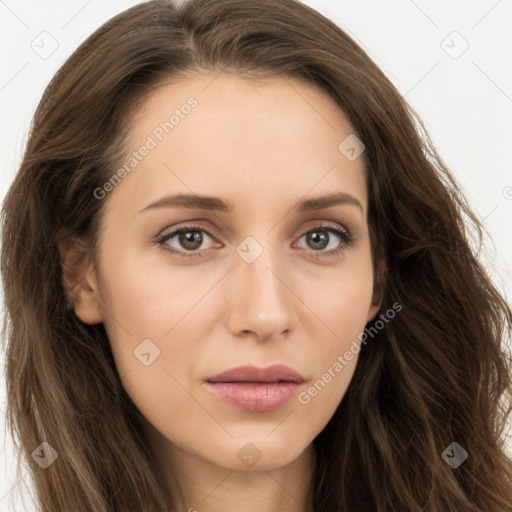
262,277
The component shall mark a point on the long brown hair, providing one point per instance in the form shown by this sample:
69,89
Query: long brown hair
437,374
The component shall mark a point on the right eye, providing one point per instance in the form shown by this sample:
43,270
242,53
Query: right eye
189,237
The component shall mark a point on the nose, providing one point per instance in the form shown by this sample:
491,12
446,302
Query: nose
261,298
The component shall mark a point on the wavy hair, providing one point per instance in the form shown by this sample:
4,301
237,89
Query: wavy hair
438,373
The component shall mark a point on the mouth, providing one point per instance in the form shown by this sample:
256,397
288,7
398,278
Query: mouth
256,389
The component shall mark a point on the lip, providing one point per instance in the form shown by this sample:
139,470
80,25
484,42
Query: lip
256,389
274,373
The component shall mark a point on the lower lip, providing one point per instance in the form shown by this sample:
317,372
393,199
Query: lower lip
256,397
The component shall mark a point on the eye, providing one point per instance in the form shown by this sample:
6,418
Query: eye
189,238
321,237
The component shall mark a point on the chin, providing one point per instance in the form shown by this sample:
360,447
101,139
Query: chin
256,454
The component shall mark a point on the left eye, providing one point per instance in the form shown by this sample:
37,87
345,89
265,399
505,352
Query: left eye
318,238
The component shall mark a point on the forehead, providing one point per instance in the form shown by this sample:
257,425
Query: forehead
226,135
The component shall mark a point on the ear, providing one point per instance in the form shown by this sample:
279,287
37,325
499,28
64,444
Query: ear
80,281
378,289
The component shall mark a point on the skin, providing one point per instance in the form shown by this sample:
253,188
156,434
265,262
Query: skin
263,146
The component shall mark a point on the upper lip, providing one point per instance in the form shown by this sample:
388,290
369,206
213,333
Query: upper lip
274,373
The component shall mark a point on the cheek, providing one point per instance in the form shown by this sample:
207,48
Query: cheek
342,309
344,302
334,358
146,300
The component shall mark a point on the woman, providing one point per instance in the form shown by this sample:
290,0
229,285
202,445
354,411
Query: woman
238,278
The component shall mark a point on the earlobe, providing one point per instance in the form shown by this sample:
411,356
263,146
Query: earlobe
80,282
378,290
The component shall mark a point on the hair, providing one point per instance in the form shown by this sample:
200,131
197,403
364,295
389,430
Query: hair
437,373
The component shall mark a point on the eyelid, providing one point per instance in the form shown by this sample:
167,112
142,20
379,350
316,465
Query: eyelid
325,224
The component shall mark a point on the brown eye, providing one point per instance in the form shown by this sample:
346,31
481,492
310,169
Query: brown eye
319,238
188,240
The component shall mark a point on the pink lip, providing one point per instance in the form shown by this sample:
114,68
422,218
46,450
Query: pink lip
256,389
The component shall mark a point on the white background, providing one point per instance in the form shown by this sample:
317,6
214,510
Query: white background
466,102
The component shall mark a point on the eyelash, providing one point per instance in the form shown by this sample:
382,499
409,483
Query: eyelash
345,236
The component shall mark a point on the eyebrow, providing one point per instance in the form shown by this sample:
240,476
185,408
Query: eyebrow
210,203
